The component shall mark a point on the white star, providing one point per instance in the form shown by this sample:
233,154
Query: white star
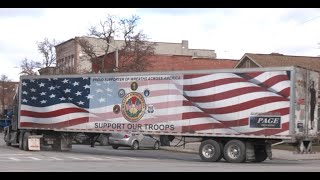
41,84
90,96
51,88
86,86
99,90
55,78
24,84
85,78
78,93
52,96
31,80
109,90
80,103
75,83
57,87
65,81
98,84
102,100
62,99
24,92
70,98
24,100
67,90
33,98
33,90
43,101
49,79
43,93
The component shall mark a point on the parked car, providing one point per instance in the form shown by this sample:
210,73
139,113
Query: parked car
135,141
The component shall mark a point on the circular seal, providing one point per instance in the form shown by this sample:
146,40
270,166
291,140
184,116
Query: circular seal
116,109
134,86
121,93
146,92
133,107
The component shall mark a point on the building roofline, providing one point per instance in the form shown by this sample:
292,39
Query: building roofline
65,42
283,55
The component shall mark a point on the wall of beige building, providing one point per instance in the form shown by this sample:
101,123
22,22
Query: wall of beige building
70,55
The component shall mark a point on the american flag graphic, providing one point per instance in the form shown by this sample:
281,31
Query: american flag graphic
220,103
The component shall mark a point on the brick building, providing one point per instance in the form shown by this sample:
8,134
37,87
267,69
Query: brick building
70,56
172,63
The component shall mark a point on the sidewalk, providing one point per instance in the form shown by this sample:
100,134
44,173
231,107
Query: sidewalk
276,154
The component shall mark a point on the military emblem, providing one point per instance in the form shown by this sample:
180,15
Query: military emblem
133,107
116,109
146,92
150,109
121,93
134,86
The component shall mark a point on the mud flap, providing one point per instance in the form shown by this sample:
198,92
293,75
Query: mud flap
34,142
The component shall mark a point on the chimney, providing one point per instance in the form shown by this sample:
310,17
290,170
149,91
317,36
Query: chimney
185,44
276,54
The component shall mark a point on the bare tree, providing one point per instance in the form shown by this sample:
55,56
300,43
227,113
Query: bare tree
28,67
133,53
6,92
46,49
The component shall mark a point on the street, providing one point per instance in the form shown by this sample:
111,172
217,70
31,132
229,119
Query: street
83,158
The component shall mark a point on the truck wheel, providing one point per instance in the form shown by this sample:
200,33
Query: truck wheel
6,134
210,150
235,151
56,146
135,145
21,140
115,146
260,154
25,145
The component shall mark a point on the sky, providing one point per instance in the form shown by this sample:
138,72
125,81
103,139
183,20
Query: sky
230,32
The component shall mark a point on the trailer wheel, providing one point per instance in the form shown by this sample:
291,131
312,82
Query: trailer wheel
235,151
210,150
25,145
260,154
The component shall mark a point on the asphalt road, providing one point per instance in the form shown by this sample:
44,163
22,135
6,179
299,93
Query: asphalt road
83,158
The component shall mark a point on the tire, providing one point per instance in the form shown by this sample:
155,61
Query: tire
103,140
156,145
260,154
135,145
235,151
115,146
56,146
210,150
5,137
25,141
21,140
